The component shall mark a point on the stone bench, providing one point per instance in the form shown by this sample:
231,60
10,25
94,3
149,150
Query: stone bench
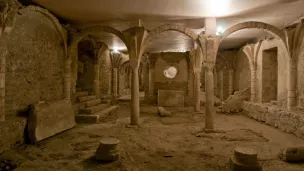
98,116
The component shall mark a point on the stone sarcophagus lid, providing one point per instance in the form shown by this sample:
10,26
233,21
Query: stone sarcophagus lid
50,118
171,98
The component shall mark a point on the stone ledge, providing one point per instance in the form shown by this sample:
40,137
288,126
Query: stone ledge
11,133
291,122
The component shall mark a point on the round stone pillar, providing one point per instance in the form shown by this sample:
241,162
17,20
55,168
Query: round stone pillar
253,85
96,88
230,84
209,108
115,72
222,85
3,55
134,64
197,79
292,70
67,80
151,78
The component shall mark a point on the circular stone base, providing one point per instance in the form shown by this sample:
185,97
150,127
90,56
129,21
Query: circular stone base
245,155
106,150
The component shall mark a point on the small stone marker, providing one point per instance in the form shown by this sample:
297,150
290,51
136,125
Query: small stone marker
163,112
292,154
107,150
244,159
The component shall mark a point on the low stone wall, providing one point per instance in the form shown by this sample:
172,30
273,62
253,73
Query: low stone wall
11,133
291,122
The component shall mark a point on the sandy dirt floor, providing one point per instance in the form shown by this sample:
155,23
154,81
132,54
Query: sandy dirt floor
161,144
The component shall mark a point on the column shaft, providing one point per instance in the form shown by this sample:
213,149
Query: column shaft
292,70
151,82
197,91
253,86
222,85
96,89
135,97
3,55
209,108
230,84
115,82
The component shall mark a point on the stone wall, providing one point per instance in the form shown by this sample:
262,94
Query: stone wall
34,71
282,58
286,121
105,74
35,66
241,72
178,60
86,77
300,80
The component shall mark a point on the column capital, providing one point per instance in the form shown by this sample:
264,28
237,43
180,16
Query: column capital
209,65
134,63
134,38
197,70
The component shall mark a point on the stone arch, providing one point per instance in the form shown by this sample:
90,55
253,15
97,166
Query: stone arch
255,24
72,50
170,27
54,21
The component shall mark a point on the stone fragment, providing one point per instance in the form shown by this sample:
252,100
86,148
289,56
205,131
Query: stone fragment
107,150
244,159
50,118
163,112
292,154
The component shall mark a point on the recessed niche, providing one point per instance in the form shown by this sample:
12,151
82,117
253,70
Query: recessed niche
170,72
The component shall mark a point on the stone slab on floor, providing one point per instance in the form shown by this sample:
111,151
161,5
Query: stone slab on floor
169,98
50,118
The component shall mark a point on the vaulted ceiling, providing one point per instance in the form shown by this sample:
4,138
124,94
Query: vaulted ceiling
122,14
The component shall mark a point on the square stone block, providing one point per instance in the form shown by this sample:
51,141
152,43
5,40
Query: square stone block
171,98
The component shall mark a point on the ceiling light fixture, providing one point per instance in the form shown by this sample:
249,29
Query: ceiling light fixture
219,30
115,50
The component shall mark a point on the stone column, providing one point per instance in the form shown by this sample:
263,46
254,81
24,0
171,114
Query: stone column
134,92
3,55
96,88
292,70
230,84
222,85
115,72
253,85
151,78
67,80
197,79
130,78
209,108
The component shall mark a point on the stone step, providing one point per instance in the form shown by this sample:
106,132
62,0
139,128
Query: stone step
93,102
89,103
96,117
85,98
94,109
82,93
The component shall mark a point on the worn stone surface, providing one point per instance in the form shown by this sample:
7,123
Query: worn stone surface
50,118
35,67
291,122
11,133
170,98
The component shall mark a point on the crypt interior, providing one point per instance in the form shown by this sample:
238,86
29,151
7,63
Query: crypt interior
152,85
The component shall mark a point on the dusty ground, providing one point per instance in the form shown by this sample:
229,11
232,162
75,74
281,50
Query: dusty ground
161,144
